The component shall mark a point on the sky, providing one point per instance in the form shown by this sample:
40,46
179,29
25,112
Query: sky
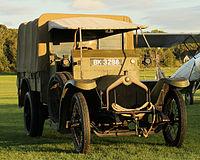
173,16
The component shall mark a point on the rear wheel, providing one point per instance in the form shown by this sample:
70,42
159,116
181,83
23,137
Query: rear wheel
175,109
68,75
33,116
55,88
80,123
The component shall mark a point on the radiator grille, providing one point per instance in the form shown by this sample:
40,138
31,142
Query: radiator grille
131,96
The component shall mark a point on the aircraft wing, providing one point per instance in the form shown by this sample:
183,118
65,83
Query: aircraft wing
165,39
190,70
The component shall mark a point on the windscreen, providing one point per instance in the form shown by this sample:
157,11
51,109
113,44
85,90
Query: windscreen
113,42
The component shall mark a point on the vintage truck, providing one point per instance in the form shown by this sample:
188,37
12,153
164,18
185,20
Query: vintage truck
82,73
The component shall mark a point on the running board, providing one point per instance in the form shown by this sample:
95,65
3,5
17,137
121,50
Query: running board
115,133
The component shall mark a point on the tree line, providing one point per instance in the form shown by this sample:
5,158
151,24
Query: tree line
8,49
168,57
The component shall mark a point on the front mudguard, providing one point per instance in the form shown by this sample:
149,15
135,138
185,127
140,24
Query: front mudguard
163,86
71,87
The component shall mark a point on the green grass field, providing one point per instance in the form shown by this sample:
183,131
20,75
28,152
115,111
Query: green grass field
149,74
14,144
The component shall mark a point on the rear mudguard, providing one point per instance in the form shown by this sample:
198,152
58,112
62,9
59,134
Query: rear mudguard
23,87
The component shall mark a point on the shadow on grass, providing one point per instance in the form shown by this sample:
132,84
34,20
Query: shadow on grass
6,98
14,107
12,134
127,140
4,74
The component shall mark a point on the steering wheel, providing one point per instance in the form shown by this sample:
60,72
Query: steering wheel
88,48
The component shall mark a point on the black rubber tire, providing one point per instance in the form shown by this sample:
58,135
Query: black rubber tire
80,134
174,108
189,98
55,88
33,116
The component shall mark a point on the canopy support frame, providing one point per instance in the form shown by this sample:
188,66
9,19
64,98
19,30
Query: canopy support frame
81,53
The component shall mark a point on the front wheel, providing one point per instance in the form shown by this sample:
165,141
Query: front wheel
174,108
80,123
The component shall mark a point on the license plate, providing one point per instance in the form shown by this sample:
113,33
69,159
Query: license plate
105,62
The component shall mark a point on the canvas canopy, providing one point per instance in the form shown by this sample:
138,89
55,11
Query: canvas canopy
91,23
63,30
